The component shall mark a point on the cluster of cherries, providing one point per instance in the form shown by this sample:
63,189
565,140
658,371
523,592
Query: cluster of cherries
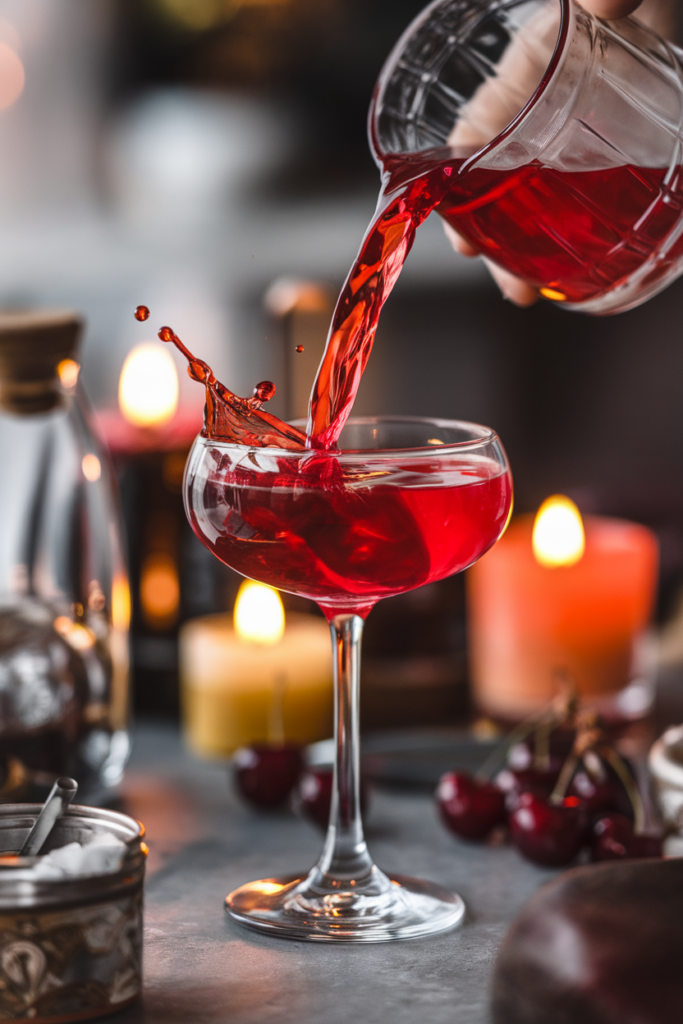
563,788
269,776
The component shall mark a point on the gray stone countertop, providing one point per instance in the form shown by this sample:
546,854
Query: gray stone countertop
202,968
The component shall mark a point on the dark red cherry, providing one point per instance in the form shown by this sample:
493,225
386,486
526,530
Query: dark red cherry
597,795
314,795
264,391
515,781
547,833
469,807
265,776
141,313
614,839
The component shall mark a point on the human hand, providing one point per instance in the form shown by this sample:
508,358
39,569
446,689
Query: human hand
477,128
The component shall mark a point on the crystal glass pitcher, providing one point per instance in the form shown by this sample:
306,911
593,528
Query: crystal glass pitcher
64,599
563,134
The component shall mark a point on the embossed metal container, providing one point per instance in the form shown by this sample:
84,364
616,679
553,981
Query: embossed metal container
70,949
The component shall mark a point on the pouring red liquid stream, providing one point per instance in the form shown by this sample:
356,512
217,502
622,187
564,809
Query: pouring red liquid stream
547,217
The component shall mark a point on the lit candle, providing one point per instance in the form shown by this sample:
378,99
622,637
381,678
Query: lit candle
557,595
149,417
255,679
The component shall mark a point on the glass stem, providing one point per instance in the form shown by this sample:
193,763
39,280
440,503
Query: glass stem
345,858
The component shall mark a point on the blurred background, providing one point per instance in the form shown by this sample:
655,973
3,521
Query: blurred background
208,158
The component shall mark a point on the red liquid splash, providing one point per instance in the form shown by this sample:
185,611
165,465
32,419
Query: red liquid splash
141,313
231,418
299,348
331,533
264,391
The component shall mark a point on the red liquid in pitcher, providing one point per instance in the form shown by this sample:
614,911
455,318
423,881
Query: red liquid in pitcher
313,529
573,234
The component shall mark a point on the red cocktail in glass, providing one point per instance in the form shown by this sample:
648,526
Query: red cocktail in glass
403,503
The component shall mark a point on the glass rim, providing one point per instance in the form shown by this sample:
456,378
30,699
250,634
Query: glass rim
397,52
487,436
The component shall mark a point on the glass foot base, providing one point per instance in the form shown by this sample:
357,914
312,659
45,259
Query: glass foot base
294,908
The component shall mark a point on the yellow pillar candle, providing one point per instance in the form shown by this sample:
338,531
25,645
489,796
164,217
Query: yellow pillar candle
257,679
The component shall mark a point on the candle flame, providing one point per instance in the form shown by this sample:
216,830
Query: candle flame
558,536
259,616
148,386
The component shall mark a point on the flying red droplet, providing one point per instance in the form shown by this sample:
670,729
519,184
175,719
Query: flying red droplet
141,313
264,391
299,348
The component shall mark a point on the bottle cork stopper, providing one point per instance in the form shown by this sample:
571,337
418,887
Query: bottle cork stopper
33,344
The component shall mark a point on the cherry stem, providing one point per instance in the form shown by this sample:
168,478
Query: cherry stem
629,784
586,739
519,733
564,779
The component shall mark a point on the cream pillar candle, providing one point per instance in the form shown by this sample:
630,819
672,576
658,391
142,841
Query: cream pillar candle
249,685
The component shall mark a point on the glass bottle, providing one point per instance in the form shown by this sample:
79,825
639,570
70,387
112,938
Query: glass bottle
64,596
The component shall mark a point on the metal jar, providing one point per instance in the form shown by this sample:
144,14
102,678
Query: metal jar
70,949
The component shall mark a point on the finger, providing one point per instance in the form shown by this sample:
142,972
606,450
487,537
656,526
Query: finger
459,243
610,9
513,288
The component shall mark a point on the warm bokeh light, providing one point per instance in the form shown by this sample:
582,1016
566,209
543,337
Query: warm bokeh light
68,371
159,591
558,537
553,294
92,469
259,616
78,637
266,887
120,603
12,76
148,386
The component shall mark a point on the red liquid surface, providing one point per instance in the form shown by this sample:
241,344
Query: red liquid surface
319,532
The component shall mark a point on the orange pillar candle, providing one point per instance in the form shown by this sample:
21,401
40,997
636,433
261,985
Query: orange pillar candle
571,607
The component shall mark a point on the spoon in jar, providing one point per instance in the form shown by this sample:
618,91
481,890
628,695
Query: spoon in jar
61,795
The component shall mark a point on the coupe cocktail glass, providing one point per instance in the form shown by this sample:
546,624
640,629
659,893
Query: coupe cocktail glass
404,502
